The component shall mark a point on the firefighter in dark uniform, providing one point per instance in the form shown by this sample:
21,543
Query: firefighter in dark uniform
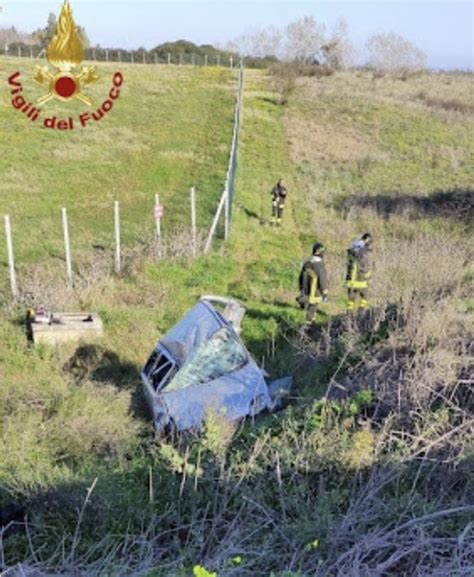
358,272
313,283
279,192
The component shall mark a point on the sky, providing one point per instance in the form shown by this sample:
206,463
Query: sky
443,29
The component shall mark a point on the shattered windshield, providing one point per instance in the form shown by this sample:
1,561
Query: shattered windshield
221,354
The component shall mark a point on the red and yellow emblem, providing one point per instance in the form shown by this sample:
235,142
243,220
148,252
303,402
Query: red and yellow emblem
65,53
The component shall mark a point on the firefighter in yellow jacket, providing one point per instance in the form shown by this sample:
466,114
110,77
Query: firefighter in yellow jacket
358,272
313,283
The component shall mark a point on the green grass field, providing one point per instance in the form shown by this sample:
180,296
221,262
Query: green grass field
169,130
293,494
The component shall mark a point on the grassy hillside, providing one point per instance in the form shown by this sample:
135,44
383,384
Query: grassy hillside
377,484
169,130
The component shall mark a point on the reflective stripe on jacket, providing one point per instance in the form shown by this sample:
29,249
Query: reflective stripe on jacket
313,281
358,272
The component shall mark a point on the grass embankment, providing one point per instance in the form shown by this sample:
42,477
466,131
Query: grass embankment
299,490
169,130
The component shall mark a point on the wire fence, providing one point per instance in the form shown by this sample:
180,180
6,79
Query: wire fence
131,56
226,201
223,215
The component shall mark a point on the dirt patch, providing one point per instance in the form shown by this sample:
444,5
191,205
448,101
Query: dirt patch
311,140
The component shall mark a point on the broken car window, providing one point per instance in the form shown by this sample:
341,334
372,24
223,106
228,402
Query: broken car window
221,354
159,369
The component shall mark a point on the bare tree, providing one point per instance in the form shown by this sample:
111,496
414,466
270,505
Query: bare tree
339,51
260,43
304,40
391,51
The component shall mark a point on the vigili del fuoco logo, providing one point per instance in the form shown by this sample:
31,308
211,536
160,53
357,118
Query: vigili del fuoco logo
66,82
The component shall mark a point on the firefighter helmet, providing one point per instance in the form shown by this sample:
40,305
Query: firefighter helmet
318,248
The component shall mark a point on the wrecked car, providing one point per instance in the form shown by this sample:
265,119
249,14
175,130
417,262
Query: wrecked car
201,365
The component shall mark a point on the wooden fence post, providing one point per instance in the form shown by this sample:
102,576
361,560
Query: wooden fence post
119,56
231,62
67,248
106,55
144,58
11,260
117,236
169,58
205,60
193,219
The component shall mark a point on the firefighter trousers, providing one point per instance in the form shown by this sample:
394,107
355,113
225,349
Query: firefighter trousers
277,210
354,295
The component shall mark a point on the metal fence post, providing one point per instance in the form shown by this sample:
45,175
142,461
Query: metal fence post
193,219
67,248
214,223
158,220
117,235
11,260
227,210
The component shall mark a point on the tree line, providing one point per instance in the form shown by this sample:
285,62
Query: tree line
304,41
